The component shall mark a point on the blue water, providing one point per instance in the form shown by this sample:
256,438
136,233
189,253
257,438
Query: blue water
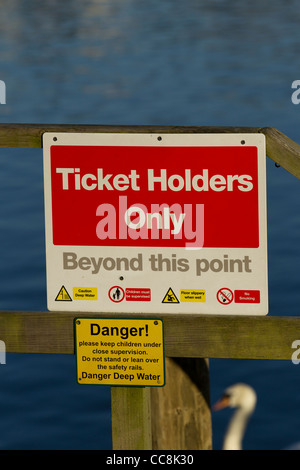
159,62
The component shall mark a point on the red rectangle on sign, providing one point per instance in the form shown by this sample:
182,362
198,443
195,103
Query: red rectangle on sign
247,296
139,295
155,196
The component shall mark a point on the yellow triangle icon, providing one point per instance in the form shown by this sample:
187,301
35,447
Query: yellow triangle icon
170,298
63,295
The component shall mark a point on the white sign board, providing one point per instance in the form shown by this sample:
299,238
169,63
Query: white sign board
156,223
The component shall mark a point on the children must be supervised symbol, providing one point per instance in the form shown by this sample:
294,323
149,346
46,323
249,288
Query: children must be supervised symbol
225,296
116,294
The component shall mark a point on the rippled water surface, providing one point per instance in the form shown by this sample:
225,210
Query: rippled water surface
157,63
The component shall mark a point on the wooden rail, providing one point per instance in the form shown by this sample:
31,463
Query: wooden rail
183,406
280,148
210,336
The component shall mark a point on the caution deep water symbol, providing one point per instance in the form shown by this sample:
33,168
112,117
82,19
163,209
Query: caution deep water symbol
170,298
150,202
225,296
63,295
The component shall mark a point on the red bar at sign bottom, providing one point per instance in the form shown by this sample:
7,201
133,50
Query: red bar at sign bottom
247,296
138,294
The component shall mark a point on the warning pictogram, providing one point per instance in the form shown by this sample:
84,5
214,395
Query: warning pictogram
116,294
225,296
170,298
150,223
63,295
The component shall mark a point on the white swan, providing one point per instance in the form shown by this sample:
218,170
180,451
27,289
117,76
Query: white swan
243,398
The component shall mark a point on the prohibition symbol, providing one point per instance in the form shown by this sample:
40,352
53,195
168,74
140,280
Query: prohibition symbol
116,294
225,296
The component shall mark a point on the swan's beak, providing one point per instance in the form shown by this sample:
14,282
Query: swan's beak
222,403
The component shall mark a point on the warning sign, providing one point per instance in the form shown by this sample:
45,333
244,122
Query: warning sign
63,295
120,352
170,297
225,296
192,295
116,294
138,295
247,296
85,293
152,216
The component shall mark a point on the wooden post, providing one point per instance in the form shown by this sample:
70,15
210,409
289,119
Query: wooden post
181,418
131,418
180,410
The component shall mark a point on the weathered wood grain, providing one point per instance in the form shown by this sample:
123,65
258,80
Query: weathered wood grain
131,418
280,148
186,335
30,135
181,417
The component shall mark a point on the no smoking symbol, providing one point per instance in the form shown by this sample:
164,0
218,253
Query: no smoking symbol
225,296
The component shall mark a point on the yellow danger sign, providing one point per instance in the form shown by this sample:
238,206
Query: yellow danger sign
170,298
192,295
114,351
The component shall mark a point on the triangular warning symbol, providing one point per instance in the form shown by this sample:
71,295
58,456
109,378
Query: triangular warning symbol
63,295
170,298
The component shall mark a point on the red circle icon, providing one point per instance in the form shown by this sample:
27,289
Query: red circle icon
116,294
225,296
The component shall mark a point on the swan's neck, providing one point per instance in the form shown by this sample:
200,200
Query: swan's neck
236,430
